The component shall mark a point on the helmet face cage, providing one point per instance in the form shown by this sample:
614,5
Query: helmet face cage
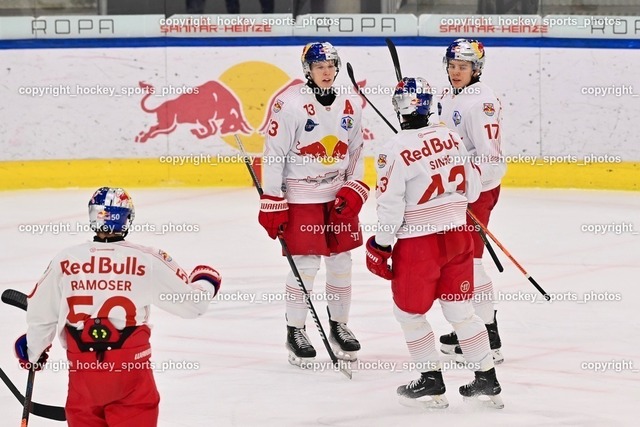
466,50
412,97
318,52
111,210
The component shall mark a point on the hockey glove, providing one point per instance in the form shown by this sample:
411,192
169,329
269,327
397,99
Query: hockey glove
377,257
350,198
23,358
274,214
204,272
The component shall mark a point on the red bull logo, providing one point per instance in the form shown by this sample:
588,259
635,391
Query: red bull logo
212,108
328,151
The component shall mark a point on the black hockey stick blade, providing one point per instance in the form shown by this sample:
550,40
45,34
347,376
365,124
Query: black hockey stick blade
45,411
394,58
15,298
355,85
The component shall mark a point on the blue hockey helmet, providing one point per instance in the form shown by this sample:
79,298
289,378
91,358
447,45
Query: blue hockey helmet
466,50
318,52
111,210
412,97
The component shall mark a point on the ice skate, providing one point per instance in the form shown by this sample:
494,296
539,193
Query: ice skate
343,341
484,389
425,392
299,346
494,343
449,343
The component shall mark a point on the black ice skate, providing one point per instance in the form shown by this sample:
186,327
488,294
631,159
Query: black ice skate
485,384
425,392
494,341
300,349
449,343
344,343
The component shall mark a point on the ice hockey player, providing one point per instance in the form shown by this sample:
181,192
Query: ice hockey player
98,296
471,108
425,180
313,192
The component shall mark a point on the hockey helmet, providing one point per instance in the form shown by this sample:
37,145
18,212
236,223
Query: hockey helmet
466,50
318,52
111,210
412,97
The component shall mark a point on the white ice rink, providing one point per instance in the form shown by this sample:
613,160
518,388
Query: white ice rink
234,363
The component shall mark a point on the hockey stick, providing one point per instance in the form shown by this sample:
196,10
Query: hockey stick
285,249
396,66
506,252
394,58
18,299
26,407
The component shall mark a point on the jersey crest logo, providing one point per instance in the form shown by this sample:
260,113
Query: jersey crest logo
277,106
346,123
488,109
382,160
308,127
457,117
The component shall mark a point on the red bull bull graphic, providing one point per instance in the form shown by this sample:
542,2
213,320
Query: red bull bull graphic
328,151
212,108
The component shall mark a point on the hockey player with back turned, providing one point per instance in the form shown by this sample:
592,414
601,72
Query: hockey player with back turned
313,192
471,108
98,296
425,180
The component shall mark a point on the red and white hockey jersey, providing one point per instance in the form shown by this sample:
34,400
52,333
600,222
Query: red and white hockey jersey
425,180
475,114
117,280
310,149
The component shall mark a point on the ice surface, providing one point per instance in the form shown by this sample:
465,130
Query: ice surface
242,376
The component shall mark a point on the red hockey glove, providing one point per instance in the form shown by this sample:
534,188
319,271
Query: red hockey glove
23,358
204,272
377,257
274,214
350,198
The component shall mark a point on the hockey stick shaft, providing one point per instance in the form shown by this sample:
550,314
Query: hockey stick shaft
506,252
45,411
353,81
26,407
18,299
394,58
396,65
294,269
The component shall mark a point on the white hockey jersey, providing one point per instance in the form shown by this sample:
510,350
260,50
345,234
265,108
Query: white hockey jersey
310,149
425,180
117,280
475,114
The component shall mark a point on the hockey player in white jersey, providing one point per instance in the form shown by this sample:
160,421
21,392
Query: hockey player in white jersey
313,192
471,108
97,295
425,180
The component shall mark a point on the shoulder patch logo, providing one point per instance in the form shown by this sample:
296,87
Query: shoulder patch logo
277,106
382,160
165,255
488,109
457,117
